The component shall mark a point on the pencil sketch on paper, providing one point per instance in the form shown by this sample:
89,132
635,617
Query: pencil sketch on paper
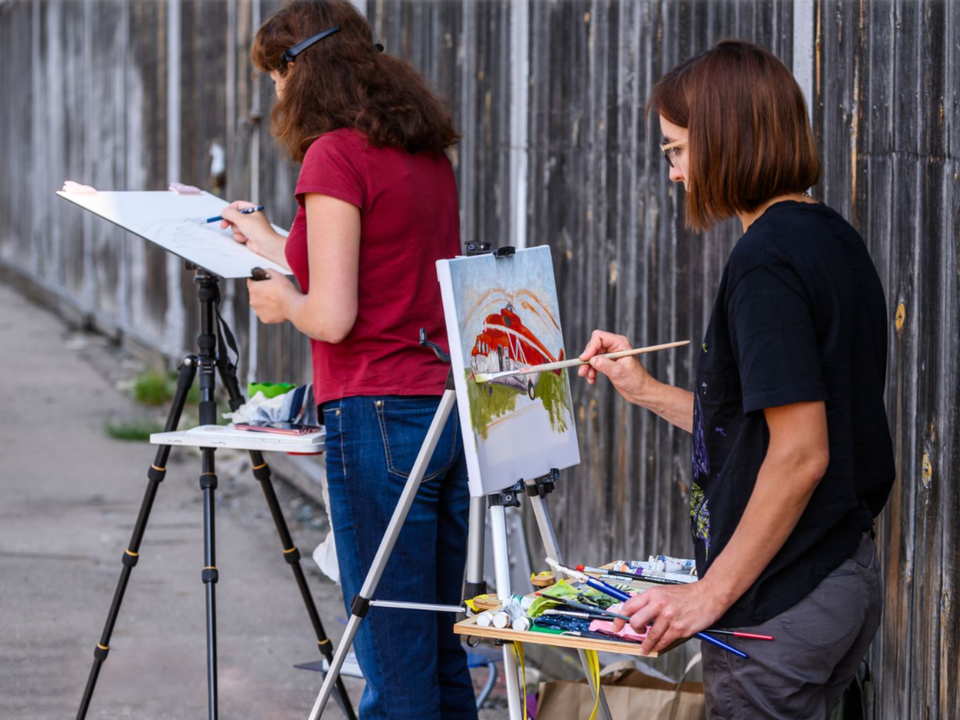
502,314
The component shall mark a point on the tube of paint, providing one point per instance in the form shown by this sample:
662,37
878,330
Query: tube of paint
523,601
522,623
485,619
501,620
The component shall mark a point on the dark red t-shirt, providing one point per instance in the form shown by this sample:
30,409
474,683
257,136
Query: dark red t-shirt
409,219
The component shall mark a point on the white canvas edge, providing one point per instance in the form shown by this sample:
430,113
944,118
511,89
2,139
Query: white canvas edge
474,480
242,252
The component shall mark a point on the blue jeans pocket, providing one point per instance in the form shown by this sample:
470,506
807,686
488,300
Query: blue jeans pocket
404,422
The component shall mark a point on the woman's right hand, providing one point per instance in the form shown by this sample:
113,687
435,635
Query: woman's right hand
627,374
252,230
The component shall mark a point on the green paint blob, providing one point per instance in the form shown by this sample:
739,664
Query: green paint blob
489,401
554,393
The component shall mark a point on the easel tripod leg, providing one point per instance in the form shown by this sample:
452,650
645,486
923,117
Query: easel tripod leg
501,561
361,603
474,584
549,537
261,471
208,483
155,475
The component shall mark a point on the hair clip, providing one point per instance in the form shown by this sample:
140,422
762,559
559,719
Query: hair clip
290,55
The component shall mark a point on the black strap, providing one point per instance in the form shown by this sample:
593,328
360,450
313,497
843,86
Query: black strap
225,339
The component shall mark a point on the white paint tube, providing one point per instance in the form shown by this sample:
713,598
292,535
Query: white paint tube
485,619
521,623
667,564
501,620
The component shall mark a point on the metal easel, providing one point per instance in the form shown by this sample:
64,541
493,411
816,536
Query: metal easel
495,504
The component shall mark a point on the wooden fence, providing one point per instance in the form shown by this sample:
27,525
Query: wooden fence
549,96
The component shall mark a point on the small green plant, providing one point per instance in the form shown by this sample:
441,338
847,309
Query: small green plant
157,387
153,387
133,429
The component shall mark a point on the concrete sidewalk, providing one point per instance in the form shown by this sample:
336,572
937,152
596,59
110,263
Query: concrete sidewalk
69,497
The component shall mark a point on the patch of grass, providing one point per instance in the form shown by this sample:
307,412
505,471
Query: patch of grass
157,387
153,387
132,429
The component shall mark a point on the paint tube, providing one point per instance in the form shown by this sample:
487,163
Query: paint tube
523,601
501,620
485,619
667,564
645,574
522,624
685,572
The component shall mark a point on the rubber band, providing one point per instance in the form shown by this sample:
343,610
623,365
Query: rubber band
593,663
159,469
285,552
131,553
257,467
323,642
103,647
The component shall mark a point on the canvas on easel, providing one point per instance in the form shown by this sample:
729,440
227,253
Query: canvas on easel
502,314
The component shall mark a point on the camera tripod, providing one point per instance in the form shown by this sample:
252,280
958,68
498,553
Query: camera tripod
212,342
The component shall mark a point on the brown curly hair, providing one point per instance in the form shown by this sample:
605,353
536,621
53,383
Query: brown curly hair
343,81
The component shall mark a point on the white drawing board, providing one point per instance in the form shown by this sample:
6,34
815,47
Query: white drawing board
502,314
176,223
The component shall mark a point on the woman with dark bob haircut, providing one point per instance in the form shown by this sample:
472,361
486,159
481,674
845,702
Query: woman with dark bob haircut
377,208
792,456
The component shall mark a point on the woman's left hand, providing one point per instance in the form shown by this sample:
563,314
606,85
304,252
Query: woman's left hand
268,297
676,612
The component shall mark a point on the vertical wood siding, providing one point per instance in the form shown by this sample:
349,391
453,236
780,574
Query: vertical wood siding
556,154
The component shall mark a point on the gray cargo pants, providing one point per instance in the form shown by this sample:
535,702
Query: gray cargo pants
819,644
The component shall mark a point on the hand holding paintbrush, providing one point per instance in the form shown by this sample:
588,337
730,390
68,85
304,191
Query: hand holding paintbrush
546,367
630,378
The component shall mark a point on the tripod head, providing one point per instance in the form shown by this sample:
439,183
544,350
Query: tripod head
215,342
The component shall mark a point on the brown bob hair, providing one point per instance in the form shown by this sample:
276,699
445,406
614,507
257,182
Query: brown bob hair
343,81
749,134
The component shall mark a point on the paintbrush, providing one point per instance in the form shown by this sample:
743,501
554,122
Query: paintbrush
490,377
583,606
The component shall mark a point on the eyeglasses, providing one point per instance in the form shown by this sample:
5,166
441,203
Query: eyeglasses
290,55
672,148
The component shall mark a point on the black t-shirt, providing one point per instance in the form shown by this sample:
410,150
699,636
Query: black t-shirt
800,316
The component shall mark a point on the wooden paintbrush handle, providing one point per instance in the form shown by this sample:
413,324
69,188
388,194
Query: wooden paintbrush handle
613,356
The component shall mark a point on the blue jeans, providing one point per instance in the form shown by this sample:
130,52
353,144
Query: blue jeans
414,665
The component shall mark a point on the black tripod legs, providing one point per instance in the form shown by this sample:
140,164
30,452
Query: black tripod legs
155,475
261,471
208,484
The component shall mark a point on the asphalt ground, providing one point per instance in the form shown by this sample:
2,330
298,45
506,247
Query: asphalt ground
69,498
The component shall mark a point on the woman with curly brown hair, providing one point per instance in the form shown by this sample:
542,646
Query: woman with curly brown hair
792,456
377,208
